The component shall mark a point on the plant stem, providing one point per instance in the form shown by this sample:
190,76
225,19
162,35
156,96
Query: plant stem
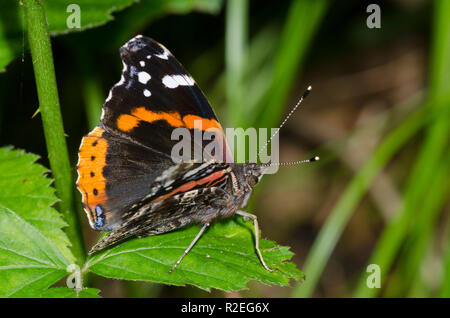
235,56
41,53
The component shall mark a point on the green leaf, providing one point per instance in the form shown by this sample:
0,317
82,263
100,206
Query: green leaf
11,35
29,262
224,258
33,251
92,14
11,21
63,292
27,192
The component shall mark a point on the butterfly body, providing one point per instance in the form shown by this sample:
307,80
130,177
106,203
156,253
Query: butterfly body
127,176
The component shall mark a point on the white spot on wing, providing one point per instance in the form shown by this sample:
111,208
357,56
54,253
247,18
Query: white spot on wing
169,81
144,77
184,80
164,55
173,81
194,171
147,93
142,63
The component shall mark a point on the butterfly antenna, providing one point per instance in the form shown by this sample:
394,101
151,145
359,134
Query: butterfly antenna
305,94
316,158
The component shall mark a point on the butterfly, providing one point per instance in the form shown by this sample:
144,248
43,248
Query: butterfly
129,182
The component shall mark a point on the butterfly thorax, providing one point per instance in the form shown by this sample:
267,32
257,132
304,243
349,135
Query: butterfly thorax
247,176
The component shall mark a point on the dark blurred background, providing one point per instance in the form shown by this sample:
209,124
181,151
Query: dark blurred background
366,84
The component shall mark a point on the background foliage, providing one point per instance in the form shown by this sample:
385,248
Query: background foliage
378,117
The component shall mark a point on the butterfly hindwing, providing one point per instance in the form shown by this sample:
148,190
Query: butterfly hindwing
112,175
184,194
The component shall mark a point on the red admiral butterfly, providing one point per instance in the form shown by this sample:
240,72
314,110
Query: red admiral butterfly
129,183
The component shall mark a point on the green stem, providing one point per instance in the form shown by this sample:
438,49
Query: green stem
41,53
235,56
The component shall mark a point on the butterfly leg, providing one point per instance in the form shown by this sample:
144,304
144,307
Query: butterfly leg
253,217
189,247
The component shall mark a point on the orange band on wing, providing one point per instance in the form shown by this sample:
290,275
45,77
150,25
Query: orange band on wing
127,122
189,121
91,182
172,118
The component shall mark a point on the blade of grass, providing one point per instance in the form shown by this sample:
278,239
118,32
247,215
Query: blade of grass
92,90
423,232
431,153
302,22
93,100
44,72
258,70
392,237
409,277
259,67
445,290
236,26
334,226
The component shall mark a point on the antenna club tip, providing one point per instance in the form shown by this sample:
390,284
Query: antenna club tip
306,93
316,158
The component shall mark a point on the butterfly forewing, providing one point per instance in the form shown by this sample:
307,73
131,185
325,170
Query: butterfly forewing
155,95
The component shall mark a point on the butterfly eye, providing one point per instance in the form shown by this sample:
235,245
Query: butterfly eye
252,180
